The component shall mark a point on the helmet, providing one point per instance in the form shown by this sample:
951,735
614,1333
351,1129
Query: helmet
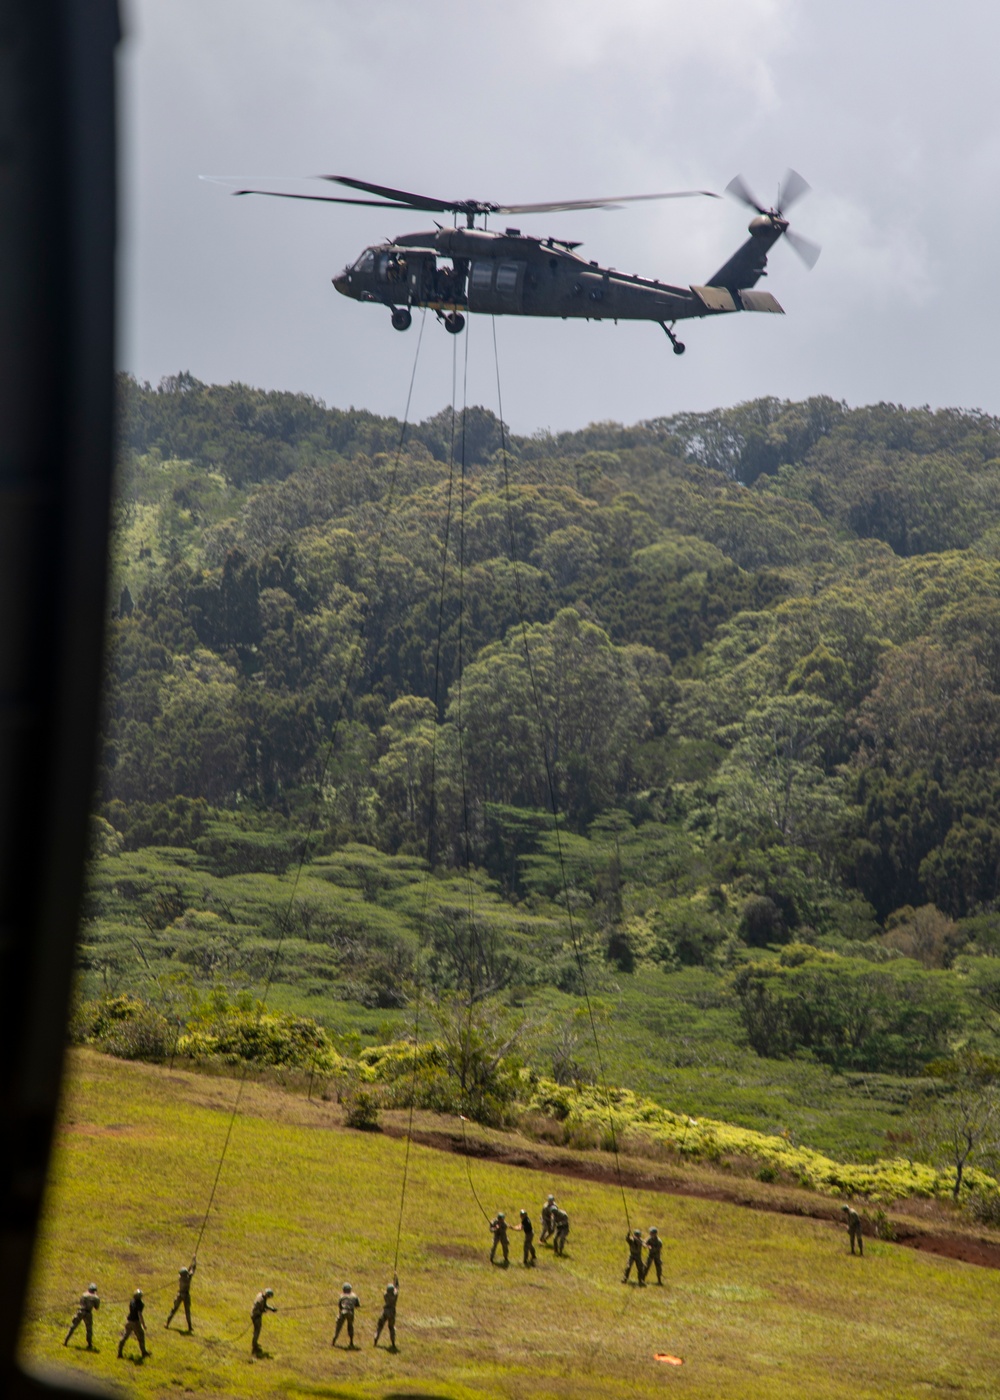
551,1198
652,1229
346,1288
524,1212
845,1207
500,1215
268,1292
138,1292
185,1270
91,1287
637,1234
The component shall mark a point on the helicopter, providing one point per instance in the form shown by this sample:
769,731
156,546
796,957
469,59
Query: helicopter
458,270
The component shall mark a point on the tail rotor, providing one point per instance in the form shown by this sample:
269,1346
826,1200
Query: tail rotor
792,188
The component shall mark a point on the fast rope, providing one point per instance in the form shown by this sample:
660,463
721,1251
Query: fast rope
474,950
468,1169
432,813
345,693
550,777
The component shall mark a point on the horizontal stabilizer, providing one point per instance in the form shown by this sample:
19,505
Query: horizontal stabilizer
760,301
715,298
722,299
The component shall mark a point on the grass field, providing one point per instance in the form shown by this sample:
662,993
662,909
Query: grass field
757,1304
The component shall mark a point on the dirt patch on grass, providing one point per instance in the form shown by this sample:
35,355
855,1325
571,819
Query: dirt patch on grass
99,1130
951,1246
455,1251
127,1256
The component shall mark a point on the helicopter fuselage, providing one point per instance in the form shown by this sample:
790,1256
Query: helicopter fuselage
457,270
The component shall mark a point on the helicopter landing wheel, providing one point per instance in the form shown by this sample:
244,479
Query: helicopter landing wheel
401,319
677,344
454,322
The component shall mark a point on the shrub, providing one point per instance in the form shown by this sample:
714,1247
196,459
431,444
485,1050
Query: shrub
146,1036
884,1228
263,1038
123,1026
849,1014
707,1140
984,1207
363,1111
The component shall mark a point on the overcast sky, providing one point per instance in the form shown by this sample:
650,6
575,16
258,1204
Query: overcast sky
890,110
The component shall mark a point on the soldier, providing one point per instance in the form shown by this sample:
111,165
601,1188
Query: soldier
388,1316
529,1239
260,1307
89,1303
548,1224
348,1303
560,1221
183,1299
499,1228
653,1259
853,1227
634,1242
134,1325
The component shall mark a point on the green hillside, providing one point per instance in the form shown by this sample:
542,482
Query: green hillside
749,657
755,1304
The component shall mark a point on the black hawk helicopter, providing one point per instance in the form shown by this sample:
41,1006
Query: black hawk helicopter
457,270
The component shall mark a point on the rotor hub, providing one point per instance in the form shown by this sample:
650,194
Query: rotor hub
772,222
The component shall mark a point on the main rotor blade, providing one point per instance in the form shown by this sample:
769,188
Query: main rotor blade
326,199
807,250
739,189
430,205
612,202
793,187
402,197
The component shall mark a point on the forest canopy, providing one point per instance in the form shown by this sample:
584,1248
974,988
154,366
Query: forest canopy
750,657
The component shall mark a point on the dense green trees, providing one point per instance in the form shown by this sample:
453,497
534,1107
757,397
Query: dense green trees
750,656
848,1013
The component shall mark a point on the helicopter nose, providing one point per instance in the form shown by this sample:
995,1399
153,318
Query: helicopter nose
341,283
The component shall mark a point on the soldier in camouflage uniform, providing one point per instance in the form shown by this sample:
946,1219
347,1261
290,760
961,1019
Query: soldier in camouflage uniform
654,1260
548,1224
183,1299
499,1228
260,1307
560,1221
134,1325
388,1316
853,1227
348,1303
634,1242
528,1231
89,1303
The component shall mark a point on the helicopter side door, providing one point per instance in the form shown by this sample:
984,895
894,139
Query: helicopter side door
420,285
496,286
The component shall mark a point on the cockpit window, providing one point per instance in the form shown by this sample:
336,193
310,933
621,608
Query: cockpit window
366,262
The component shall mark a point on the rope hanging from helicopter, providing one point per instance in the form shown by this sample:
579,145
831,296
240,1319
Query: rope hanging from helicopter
466,835
432,814
550,777
345,694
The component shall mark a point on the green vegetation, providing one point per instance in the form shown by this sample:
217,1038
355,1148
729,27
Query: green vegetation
757,1305
751,653
472,1067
